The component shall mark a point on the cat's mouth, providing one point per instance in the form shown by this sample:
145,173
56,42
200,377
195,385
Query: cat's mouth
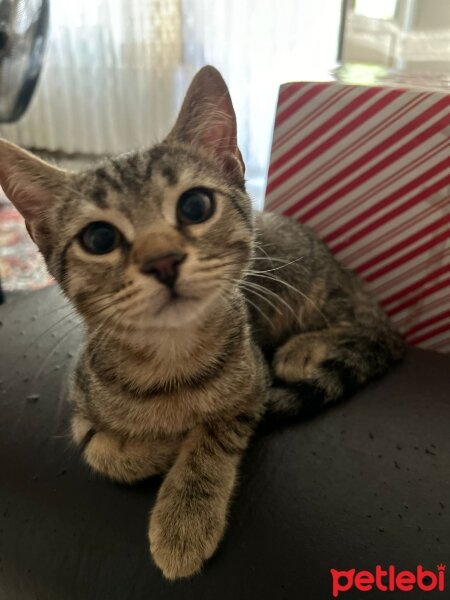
178,305
176,299
176,295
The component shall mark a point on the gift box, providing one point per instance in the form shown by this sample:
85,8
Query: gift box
368,168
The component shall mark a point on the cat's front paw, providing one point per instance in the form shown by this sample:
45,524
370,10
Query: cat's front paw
125,460
299,358
183,536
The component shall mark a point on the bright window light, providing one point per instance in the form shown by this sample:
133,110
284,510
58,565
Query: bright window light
376,9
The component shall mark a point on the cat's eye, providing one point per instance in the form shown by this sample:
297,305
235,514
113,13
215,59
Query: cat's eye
100,238
195,206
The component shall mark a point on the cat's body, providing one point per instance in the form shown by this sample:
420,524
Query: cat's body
200,315
292,262
324,335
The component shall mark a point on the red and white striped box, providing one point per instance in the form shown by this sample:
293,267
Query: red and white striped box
368,168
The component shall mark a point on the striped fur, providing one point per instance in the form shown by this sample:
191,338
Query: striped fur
264,319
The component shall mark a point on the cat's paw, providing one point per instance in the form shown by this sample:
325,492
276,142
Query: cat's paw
120,458
106,454
300,357
82,430
182,537
125,460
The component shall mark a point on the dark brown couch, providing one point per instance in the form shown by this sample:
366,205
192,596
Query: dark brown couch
366,483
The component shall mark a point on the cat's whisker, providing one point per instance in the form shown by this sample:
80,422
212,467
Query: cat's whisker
258,309
278,268
250,288
277,296
271,258
218,267
72,312
114,301
103,328
243,285
294,289
54,310
262,249
53,350
261,246
235,283
99,334
139,301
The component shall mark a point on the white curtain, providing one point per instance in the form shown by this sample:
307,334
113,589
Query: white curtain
116,70
258,44
107,82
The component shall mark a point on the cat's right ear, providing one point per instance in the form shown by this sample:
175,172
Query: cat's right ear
30,183
207,120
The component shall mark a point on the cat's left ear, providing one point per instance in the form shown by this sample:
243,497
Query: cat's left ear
207,120
30,183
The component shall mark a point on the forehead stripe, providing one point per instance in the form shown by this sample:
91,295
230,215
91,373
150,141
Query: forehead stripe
238,208
127,173
99,196
108,178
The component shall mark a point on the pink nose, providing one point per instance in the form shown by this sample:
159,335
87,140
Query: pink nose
164,267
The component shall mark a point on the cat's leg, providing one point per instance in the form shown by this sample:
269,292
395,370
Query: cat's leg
323,366
123,459
188,520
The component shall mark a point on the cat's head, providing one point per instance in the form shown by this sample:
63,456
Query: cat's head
151,237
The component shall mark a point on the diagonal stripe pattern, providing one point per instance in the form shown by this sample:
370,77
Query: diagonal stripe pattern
368,168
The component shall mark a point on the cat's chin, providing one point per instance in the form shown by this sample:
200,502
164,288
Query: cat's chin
177,311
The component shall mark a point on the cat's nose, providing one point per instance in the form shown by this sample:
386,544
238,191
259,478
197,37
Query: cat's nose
164,267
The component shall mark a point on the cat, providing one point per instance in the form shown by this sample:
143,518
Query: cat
202,316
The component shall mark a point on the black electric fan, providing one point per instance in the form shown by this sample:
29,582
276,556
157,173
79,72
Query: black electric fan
23,33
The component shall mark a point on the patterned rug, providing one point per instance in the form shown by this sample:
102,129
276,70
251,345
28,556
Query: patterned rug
21,265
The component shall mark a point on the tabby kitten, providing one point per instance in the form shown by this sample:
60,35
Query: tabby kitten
200,315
